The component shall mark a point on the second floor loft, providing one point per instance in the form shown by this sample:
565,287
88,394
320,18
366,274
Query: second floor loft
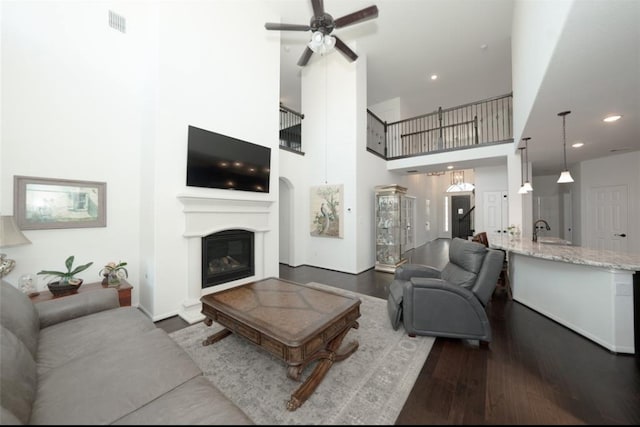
485,122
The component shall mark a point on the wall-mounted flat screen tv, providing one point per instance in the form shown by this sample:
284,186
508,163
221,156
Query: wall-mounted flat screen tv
219,161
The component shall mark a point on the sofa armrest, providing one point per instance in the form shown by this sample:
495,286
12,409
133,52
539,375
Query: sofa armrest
435,306
62,309
407,271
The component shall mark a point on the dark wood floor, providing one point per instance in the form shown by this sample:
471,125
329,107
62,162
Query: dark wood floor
535,371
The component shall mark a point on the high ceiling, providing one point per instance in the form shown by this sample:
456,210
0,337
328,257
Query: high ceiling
594,71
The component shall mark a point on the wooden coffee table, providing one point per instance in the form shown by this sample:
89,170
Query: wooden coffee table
297,323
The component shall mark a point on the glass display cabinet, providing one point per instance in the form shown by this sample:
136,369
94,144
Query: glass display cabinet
390,227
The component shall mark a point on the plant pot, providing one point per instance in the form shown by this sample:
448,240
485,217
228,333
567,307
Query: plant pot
59,289
113,279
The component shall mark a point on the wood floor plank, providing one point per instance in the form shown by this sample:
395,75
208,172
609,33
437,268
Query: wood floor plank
535,371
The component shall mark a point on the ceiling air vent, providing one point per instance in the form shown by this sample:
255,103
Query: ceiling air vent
117,22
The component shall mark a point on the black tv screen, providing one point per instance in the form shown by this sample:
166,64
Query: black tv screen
219,161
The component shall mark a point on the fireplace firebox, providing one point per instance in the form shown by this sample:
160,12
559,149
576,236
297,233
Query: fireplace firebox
226,256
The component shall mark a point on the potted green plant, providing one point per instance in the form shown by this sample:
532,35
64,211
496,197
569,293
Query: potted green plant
66,282
112,273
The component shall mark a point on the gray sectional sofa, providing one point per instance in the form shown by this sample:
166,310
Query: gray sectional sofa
83,359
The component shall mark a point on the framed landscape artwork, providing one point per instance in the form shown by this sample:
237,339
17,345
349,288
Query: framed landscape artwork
326,211
42,203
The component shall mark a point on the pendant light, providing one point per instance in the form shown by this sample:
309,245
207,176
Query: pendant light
527,185
565,176
522,190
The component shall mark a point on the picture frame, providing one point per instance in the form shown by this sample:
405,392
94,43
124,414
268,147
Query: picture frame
327,211
45,203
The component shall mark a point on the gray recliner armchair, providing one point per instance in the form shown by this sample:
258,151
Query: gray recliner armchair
449,302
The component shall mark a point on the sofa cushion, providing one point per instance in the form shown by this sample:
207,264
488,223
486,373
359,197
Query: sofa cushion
17,378
84,335
18,315
102,387
196,402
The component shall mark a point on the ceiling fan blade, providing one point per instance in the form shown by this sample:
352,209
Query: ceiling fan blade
286,27
345,50
318,7
305,57
356,17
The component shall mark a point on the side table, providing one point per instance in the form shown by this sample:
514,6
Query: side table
124,292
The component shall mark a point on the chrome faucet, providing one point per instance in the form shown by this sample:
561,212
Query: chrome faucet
535,228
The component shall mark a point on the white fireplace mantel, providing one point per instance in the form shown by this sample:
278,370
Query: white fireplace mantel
207,215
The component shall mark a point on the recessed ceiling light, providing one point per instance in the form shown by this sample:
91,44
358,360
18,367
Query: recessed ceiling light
449,167
577,144
434,76
612,118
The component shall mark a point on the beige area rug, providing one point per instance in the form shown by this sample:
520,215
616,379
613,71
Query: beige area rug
370,387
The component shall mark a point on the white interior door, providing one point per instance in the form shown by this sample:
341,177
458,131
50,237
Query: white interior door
608,218
495,212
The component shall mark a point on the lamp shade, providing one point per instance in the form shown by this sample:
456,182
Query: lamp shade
10,234
527,187
565,177
522,190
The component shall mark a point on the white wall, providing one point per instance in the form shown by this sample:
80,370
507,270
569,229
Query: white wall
83,101
71,109
208,82
536,28
547,202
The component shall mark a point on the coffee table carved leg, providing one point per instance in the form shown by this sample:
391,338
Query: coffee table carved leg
215,337
332,353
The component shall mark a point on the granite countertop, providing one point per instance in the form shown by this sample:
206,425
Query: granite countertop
555,251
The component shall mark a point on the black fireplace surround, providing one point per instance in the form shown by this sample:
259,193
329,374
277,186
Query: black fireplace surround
227,255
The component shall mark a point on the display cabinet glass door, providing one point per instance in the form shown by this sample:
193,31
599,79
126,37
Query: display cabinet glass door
407,215
390,229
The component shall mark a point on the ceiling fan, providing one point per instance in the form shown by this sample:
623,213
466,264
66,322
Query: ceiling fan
321,25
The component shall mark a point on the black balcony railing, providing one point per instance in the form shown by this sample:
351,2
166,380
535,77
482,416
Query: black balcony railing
484,122
489,121
290,129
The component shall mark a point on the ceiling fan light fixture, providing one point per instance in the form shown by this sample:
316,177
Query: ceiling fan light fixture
329,42
317,41
321,25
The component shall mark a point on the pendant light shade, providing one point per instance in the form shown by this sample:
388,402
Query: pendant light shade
527,185
565,176
522,189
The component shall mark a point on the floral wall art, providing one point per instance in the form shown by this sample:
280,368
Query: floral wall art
326,211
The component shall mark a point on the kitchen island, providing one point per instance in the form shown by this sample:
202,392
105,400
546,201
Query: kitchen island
587,290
